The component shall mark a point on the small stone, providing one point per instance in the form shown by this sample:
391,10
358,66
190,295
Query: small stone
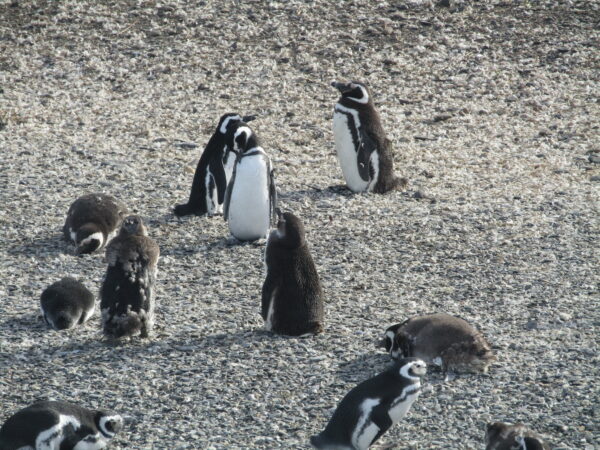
595,178
531,325
594,158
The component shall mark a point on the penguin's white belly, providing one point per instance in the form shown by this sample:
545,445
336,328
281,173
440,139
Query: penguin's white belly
401,408
212,201
249,206
365,430
346,153
228,166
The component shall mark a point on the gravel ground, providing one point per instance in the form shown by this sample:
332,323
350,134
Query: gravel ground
493,108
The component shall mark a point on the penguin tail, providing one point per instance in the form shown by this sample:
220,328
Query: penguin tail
320,442
126,324
394,184
183,210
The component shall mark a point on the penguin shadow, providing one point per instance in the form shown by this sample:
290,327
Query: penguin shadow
312,191
363,367
25,322
44,244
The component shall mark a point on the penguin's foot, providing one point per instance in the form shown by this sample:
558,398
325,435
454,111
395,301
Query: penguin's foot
232,240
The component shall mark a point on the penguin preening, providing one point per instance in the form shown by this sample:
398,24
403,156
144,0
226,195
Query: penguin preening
440,339
363,150
127,293
214,169
292,298
58,425
251,196
504,436
372,407
66,303
92,221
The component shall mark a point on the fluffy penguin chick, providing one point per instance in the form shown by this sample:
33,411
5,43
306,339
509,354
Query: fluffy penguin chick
250,199
440,339
92,221
127,293
372,407
363,150
57,425
66,303
504,436
214,170
292,299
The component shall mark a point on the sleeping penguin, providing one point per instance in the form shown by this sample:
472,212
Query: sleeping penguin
504,436
214,170
92,221
372,407
363,150
127,293
58,425
292,299
66,303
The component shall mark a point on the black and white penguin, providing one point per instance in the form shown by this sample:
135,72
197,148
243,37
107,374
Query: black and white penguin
292,299
127,293
92,221
504,436
251,197
440,339
363,150
57,425
372,407
66,303
214,170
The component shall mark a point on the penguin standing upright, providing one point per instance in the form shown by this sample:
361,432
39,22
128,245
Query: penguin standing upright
292,302
93,220
363,150
441,339
127,293
372,407
214,170
504,436
251,198
66,303
58,425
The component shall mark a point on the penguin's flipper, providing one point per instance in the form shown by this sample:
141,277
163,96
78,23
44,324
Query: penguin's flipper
381,418
268,289
366,147
227,198
272,195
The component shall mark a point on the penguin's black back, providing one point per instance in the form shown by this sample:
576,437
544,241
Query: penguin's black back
292,275
66,302
103,210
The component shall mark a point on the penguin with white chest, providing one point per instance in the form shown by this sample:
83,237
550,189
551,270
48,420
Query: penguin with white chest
66,304
127,293
292,299
214,170
251,197
440,339
363,150
372,407
504,436
92,221
58,425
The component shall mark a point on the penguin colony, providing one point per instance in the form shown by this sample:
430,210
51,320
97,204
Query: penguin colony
234,176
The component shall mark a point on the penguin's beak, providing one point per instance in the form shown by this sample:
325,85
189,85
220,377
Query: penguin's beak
380,343
248,118
279,213
342,87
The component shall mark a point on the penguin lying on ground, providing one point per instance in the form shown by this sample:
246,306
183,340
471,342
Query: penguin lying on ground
292,300
127,293
363,150
372,407
57,425
440,339
66,303
251,196
503,436
214,170
92,221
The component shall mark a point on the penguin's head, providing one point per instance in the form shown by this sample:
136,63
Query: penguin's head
89,238
413,368
108,423
290,230
354,91
505,435
225,120
391,342
244,139
133,225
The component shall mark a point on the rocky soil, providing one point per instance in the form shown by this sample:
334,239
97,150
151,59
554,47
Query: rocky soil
494,111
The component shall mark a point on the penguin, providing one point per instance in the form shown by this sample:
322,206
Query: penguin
127,292
59,425
92,221
66,304
251,196
363,150
504,436
292,299
214,170
372,407
440,339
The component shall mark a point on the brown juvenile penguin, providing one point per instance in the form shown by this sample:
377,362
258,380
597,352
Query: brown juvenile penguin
504,436
440,339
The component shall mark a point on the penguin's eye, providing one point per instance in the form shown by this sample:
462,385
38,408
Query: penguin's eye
110,426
